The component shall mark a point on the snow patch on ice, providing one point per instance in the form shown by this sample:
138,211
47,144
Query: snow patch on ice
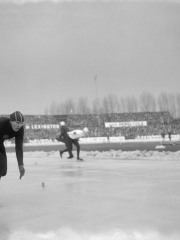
160,147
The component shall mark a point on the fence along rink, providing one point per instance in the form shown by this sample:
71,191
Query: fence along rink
96,140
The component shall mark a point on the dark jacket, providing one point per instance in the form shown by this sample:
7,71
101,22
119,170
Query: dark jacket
6,132
64,134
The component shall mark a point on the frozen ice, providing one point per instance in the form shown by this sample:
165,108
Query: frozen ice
111,195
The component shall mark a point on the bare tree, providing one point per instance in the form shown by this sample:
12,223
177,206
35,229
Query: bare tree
46,111
53,108
163,102
168,102
132,105
96,106
109,104
105,106
147,102
178,105
69,106
82,106
60,108
113,102
172,105
122,106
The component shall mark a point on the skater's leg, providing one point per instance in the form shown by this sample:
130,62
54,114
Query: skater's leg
76,143
69,147
3,162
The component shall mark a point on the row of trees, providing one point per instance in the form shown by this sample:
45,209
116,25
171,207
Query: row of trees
112,104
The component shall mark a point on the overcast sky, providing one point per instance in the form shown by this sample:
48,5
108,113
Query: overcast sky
51,51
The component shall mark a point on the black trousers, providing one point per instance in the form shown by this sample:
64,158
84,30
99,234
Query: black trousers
69,142
3,161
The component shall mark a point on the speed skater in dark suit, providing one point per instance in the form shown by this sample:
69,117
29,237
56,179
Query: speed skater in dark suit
70,138
12,128
63,137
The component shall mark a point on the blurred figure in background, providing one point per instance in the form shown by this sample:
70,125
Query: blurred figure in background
163,134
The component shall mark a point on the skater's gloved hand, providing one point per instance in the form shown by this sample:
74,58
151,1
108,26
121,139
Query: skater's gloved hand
21,170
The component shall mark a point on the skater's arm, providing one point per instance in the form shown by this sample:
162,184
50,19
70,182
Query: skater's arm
19,151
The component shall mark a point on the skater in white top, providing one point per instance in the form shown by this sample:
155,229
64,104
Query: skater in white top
75,134
69,138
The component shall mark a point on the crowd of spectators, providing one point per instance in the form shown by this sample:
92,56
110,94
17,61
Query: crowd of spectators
40,127
46,126
156,121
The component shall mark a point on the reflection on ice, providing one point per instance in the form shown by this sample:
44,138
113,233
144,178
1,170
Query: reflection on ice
112,195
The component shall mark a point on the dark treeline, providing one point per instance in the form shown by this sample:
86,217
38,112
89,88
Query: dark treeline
112,104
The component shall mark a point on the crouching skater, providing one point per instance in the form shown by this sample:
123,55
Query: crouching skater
12,127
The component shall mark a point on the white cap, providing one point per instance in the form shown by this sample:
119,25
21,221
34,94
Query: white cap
86,129
62,123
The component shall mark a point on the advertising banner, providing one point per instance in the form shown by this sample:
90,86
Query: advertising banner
125,124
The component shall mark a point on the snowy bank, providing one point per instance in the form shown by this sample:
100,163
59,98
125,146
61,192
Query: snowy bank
108,154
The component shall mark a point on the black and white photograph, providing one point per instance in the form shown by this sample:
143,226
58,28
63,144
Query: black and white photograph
90,119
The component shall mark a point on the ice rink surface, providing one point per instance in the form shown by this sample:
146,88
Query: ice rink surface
114,198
